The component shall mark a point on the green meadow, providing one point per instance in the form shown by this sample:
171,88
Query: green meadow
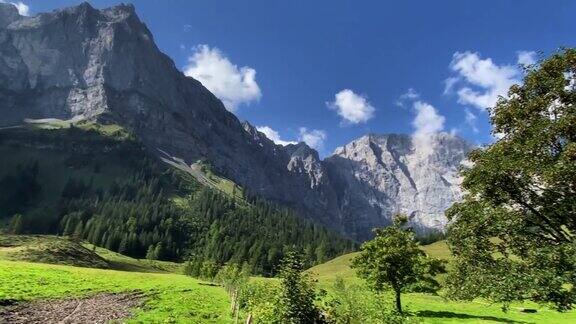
50,267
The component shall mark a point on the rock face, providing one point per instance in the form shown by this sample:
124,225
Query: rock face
378,176
103,65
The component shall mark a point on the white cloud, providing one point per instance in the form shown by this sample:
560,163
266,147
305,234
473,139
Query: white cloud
471,120
23,9
527,58
233,85
489,79
409,95
314,138
273,135
426,123
449,84
427,120
351,107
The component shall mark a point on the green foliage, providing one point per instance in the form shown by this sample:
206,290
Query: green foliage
352,304
233,276
261,299
297,296
513,235
394,260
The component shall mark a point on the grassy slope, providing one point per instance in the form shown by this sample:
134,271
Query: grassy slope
60,250
172,297
435,309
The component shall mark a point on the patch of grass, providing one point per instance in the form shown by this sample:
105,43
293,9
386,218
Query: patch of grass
111,130
435,309
438,250
172,298
220,183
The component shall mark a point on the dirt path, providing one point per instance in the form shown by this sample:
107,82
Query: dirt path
101,308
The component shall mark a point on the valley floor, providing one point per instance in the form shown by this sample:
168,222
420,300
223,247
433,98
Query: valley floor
140,291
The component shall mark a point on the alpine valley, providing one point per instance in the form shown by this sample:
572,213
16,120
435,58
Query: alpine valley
93,114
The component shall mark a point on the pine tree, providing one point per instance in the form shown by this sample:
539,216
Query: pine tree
16,225
78,232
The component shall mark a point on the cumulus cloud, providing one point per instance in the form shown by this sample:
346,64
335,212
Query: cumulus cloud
409,95
426,123
314,138
527,58
273,135
483,80
353,108
233,85
23,9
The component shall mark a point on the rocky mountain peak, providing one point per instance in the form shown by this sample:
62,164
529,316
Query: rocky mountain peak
302,150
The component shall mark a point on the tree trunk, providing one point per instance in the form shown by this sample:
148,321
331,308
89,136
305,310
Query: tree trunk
398,302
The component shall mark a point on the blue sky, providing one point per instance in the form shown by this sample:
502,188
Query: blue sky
281,64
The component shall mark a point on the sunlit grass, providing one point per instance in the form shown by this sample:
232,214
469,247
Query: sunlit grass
171,297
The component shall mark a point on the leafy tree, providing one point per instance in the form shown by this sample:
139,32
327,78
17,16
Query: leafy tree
513,234
296,302
232,277
209,269
394,260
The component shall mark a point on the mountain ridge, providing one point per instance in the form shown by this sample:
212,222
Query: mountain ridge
103,65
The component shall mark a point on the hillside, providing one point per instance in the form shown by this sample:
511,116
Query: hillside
98,183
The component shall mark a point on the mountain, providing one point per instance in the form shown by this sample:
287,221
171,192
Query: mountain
103,66
377,176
